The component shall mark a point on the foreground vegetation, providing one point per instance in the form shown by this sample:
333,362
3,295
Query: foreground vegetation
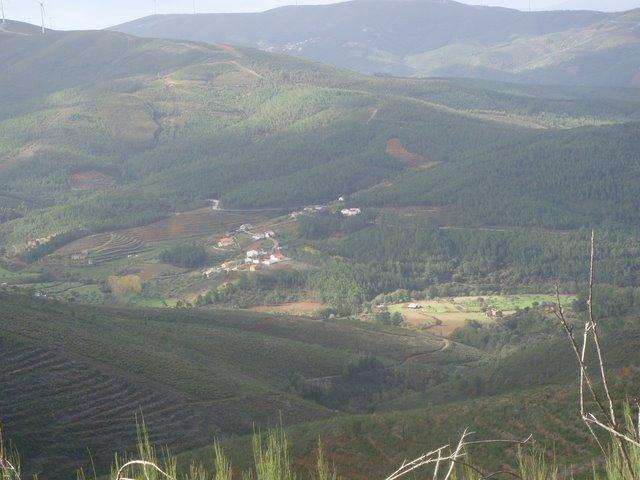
361,387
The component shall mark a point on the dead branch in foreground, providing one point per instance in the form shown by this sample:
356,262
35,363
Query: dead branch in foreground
445,463
604,417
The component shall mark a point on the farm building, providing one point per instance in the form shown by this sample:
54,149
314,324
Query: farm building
255,256
414,306
350,212
209,272
274,258
226,242
263,235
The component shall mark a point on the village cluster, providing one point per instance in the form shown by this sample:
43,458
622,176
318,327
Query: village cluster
259,257
347,212
262,248
255,258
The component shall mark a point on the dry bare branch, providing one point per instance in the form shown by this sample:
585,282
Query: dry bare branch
446,463
609,423
141,463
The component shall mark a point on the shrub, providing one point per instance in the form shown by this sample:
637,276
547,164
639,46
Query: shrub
124,285
186,256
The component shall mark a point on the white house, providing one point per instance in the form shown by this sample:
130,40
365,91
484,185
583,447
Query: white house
274,258
350,212
209,272
263,235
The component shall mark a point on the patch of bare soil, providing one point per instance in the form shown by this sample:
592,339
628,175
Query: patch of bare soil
91,180
396,149
293,308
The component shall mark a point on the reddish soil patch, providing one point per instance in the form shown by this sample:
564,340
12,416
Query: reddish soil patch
294,308
91,180
399,152
424,321
195,223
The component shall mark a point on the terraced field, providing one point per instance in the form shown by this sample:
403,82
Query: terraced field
105,247
118,246
195,223
90,405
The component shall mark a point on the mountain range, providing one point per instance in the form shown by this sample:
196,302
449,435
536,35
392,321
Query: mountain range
430,38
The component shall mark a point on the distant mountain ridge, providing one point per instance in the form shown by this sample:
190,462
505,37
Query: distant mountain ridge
430,38
598,5
19,28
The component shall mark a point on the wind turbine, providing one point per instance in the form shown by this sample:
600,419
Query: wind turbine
2,8
41,3
155,7
194,7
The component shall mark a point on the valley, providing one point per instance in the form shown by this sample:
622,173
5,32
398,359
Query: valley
215,239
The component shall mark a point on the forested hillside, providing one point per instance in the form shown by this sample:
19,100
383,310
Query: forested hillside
170,124
430,38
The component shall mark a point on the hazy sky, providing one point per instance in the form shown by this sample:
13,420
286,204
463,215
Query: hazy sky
90,14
